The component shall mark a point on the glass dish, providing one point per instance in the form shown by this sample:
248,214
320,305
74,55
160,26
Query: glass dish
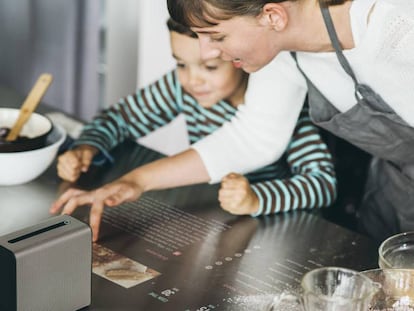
395,289
397,251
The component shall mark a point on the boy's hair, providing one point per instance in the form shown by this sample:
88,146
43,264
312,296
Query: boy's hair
184,30
198,13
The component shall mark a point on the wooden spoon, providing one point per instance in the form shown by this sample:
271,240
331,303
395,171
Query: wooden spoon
30,104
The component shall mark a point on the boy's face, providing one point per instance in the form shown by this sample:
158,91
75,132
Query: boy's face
208,81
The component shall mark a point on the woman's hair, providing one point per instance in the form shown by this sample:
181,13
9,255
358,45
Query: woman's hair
200,13
181,29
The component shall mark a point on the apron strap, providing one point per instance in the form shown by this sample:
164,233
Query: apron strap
295,57
337,46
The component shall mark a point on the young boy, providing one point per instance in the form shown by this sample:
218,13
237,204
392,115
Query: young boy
208,93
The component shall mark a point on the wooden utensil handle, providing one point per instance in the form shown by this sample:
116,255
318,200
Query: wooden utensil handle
30,104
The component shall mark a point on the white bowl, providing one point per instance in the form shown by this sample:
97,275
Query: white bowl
36,125
24,166
33,134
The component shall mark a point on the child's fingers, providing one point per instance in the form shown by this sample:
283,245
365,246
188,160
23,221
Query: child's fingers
69,166
86,160
68,173
229,177
233,183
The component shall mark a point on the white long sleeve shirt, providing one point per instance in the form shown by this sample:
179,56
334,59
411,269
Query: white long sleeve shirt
383,58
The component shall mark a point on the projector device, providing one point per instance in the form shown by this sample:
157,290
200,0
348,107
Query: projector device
46,266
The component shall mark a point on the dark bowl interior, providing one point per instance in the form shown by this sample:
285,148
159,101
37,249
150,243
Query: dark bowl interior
23,143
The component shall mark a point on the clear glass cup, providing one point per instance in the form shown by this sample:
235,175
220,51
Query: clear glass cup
335,288
395,289
397,251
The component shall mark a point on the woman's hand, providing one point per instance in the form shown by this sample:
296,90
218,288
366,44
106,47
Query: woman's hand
182,169
236,196
74,162
112,194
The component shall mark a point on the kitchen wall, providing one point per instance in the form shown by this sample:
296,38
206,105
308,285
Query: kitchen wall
55,36
138,53
137,45
97,51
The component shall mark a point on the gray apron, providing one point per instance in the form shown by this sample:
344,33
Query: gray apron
388,203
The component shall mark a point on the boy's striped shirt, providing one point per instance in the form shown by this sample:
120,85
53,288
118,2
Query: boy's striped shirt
303,178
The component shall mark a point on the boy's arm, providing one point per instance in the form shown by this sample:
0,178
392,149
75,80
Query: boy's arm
134,116
313,183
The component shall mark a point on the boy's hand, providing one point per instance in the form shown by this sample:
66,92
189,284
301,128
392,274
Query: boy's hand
74,162
236,196
109,195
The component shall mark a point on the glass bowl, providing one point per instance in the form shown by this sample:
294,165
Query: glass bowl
397,251
395,289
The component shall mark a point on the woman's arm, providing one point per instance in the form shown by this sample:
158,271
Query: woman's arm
183,169
263,126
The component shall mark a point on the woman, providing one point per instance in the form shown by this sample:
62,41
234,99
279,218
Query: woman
363,94
207,93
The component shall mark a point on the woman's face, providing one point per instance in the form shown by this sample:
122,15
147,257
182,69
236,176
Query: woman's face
246,41
208,81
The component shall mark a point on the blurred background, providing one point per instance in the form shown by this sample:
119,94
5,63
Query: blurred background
96,50
101,50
